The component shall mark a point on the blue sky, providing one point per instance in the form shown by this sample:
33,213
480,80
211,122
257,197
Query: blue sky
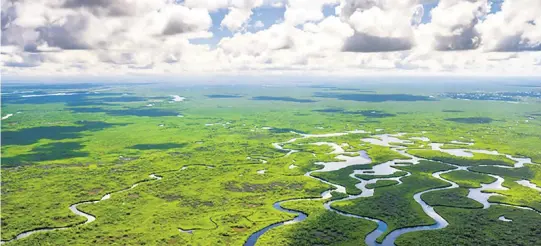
267,15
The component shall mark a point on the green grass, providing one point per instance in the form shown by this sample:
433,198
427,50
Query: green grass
468,179
185,199
480,227
337,195
393,175
518,195
381,154
530,172
341,177
476,160
457,197
381,183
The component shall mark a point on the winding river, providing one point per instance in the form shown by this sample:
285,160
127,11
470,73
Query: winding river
73,208
478,194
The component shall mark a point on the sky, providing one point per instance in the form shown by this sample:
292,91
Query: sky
183,38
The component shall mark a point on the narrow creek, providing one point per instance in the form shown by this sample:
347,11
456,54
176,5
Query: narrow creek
429,210
478,194
73,208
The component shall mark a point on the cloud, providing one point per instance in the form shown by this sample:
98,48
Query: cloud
277,37
236,19
301,11
104,7
239,14
211,5
517,27
71,34
361,42
349,7
380,25
453,25
24,60
185,20
259,24
83,37
84,24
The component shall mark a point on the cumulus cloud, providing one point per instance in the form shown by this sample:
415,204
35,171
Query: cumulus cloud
362,42
517,27
236,18
120,32
211,5
104,7
239,14
301,11
277,37
23,60
380,25
83,24
72,32
362,36
259,24
184,20
453,25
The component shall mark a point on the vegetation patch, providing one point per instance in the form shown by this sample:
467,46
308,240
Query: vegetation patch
393,175
373,97
322,227
26,136
452,111
284,99
127,112
365,113
285,130
381,183
158,146
395,204
222,96
480,227
342,177
381,154
477,160
518,195
457,197
467,179
338,195
471,120
531,172
46,152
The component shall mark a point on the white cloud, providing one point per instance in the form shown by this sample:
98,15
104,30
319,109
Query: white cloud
114,35
239,14
380,25
259,24
236,19
211,5
301,11
453,24
59,37
180,20
517,27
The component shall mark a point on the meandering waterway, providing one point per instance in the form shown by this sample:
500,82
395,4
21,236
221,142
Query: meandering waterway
479,194
73,208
